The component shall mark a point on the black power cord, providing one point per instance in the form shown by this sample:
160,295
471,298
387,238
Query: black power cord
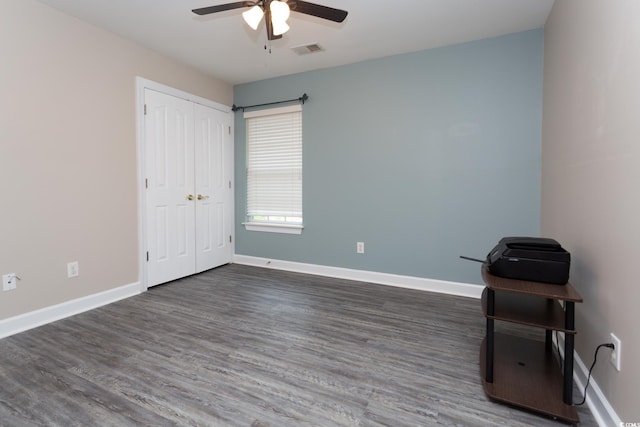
595,358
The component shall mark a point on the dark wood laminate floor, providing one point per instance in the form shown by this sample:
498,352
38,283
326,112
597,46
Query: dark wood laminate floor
244,346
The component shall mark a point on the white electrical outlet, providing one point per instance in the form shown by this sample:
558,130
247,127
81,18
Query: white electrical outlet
360,247
73,269
615,357
9,281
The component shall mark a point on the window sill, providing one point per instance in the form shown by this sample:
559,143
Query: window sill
273,228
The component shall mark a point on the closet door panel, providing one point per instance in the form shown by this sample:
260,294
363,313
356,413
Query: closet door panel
213,189
169,155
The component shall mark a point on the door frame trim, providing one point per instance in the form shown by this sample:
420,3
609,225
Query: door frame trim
141,85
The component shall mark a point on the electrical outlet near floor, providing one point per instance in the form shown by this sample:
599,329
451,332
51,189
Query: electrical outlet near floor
615,357
360,247
73,269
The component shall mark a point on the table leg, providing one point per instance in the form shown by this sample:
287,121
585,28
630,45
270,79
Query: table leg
569,315
490,338
548,339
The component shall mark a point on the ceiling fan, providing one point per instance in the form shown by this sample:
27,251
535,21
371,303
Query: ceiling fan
276,13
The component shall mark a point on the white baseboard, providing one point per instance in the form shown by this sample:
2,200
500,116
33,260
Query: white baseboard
419,283
602,411
33,319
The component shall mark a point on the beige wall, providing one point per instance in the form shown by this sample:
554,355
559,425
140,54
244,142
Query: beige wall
68,152
591,177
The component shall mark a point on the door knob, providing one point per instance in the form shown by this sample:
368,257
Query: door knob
201,197
190,197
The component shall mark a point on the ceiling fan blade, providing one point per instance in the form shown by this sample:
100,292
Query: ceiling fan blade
223,7
320,11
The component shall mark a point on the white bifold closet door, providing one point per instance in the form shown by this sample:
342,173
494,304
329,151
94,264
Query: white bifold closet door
189,202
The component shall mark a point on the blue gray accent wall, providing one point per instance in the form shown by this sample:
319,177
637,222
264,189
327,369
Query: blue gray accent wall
422,156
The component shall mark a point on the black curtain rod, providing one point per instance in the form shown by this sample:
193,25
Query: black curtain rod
302,99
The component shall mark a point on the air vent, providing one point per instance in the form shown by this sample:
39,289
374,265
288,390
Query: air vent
307,48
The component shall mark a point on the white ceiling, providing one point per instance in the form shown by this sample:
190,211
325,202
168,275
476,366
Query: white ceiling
223,46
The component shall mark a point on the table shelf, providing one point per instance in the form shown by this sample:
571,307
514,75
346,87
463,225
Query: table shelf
528,376
533,311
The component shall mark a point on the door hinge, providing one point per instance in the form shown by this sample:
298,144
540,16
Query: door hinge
230,240
146,183
229,184
229,130
145,109
147,256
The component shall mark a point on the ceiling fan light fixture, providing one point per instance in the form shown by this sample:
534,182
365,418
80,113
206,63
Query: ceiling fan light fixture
279,10
280,28
253,16
279,14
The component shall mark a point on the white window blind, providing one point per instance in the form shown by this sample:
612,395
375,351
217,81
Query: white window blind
274,165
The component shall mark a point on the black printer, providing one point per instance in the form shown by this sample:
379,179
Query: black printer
530,258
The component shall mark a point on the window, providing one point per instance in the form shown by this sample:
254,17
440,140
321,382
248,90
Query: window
274,170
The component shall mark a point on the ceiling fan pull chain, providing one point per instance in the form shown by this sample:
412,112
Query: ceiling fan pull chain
267,45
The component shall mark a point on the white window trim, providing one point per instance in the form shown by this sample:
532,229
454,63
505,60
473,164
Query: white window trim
273,227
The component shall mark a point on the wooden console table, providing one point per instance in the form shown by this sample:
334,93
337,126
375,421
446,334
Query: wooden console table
524,372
